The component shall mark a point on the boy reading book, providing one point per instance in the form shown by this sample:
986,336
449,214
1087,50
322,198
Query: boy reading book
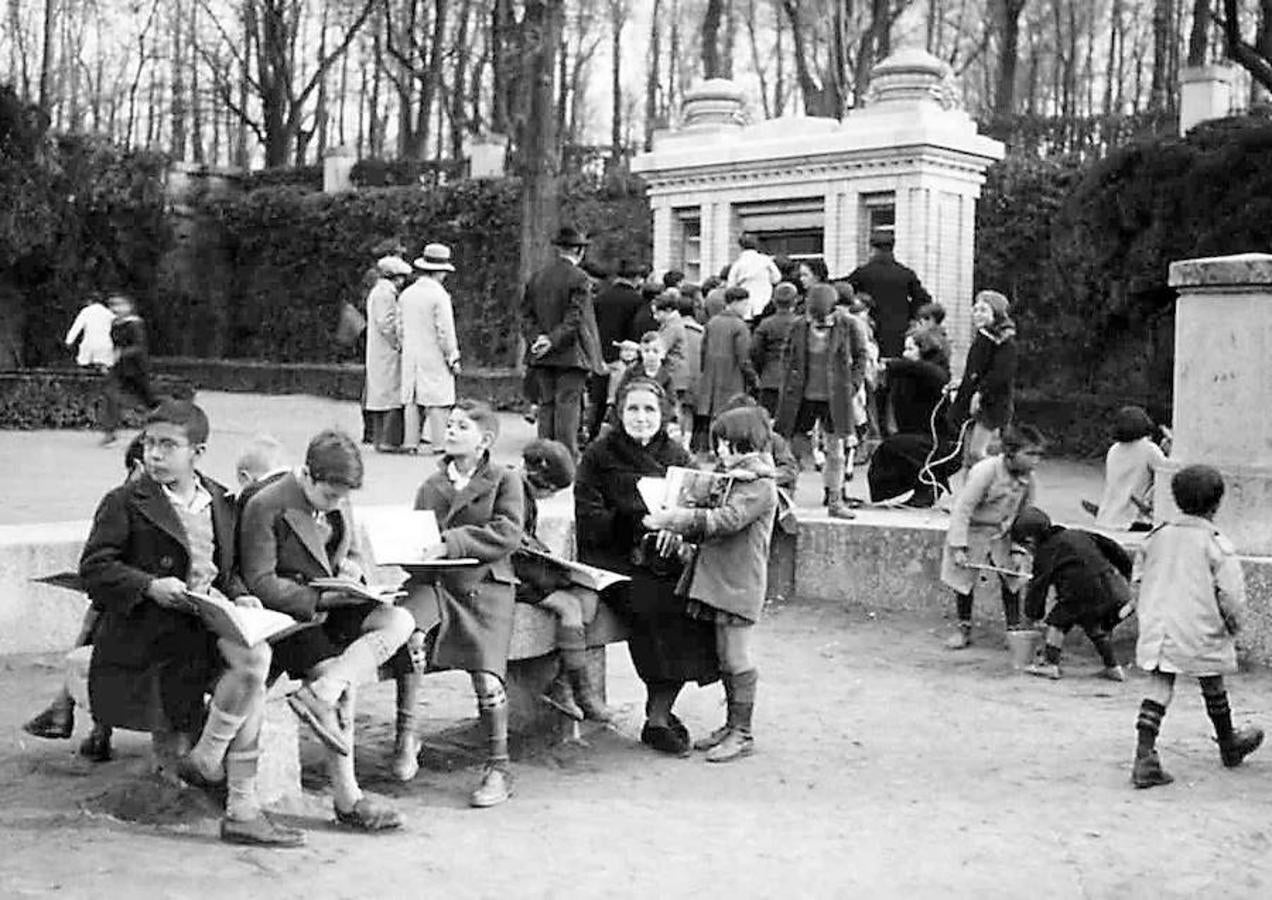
170,531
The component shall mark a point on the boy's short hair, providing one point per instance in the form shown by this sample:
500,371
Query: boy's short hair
668,299
135,452
690,290
652,337
184,414
784,295
672,278
1197,489
1022,437
548,464
628,346
845,291
482,415
686,303
746,429
1131,423
1030,525
748,241
736,293
933,311
651,288
333,457
262,454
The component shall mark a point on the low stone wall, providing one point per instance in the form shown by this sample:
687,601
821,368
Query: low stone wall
884,560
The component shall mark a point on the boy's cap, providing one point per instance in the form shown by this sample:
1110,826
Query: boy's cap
627,345
549,465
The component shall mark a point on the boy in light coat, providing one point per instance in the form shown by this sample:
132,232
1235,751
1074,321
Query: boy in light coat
1191,601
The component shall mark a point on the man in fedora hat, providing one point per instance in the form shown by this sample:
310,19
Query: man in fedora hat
430,349
616,308
559,323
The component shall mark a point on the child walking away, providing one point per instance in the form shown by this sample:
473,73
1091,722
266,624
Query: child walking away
726,359
547,470
729,577
1129,466
480,509
1191,600
997,489
1089,573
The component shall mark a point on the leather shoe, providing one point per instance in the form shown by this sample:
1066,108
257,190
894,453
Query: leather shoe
321,717
261,831
495,788
56,722
188,772
368,815
665,739
96,747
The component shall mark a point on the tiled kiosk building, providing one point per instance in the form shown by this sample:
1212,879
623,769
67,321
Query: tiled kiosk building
909,162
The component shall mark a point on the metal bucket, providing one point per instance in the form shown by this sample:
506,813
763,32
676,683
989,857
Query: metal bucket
1023,644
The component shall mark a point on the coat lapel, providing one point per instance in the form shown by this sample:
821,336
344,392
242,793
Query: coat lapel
155,506
299,518
222,525
479,485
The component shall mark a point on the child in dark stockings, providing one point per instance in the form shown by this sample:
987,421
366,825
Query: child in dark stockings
1191,600
1089,573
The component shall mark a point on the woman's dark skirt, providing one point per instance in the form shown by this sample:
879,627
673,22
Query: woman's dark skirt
665,644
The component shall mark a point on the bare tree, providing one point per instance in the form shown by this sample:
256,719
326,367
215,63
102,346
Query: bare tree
1008,56
619,11
1255,59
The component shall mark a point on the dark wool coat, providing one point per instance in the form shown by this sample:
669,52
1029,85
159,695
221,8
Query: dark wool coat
914,390
847,361
616,309
484,521
143,652
768,345
990,370
557,301
282,549
1085,568
665,644
726,363
897,294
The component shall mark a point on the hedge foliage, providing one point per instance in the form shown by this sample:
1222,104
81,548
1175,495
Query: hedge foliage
1085,252
68,398
295,256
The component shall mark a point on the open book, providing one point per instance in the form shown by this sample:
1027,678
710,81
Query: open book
579,573
398,538
241,624
372,593
685,488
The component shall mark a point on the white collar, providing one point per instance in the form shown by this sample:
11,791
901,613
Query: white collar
201,500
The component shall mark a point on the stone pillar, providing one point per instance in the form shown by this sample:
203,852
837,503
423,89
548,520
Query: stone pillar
1205,93
663,223
1223,341
337,169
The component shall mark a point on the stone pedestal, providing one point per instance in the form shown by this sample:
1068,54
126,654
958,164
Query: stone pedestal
337,170
1223,389
1205,93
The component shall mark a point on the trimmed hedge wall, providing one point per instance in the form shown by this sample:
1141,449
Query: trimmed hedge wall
339,381
67,398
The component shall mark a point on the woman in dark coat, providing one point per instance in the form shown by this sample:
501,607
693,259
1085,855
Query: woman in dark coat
915,384
667,648
985,395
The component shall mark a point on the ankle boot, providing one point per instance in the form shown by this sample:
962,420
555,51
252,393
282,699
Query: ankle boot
56,721
96,746
738,742
1147,771
406,747
1244,742
730,700
587,697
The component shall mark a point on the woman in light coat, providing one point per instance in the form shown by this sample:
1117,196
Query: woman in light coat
384,353
430,349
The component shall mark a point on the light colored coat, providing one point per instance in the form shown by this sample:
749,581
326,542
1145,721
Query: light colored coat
384,349
980,521
1191,599
1128,477
429,344
92,329
731,569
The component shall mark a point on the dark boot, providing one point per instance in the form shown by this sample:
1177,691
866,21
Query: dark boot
96,747
1011,607
738,742
587,697
1243,742
730,704
1147,771
56,721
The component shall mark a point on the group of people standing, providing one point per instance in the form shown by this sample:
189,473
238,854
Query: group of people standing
112,341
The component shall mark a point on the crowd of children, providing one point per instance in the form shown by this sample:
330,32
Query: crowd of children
170,530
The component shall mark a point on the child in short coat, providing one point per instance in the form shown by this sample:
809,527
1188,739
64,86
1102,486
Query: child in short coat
480,508
729,578
1089,573
996,490
1191,602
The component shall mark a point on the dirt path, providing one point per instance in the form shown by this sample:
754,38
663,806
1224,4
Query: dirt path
886,767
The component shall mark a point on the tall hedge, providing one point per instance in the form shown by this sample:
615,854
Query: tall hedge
295,256
1085,252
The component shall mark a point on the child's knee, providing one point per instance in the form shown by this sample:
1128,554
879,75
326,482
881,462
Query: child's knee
395,623
251,663
487,686
734,648
566,607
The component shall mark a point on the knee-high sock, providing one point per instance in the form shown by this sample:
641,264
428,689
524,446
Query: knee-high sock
344,780
1011,606
1147,726
356,665
241,802
220,729
1217,708
492,709
742,703
408,692
963,605
1104,647
572,643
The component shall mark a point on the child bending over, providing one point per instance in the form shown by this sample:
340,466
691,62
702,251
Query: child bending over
729,578
1089,573
1191,600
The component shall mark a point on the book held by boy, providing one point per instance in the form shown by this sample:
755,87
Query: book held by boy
398,537
578,573
372,593
685,488
244,625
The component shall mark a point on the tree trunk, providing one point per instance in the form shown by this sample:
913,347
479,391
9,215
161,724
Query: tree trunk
177,61
618,15
1159,88
711,20
196,102
651,81
46,57
1008,58
1197,35
503,63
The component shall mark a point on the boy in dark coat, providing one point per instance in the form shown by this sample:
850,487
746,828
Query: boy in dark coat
1090,575
480,508
769,343
153,539
296,529
726,359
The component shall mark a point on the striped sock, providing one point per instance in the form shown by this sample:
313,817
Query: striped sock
1148,725
1221,715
